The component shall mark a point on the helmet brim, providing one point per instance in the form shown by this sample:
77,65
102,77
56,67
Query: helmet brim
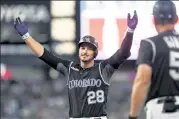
91,44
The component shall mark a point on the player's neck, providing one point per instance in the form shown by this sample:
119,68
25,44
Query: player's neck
165,28
87,64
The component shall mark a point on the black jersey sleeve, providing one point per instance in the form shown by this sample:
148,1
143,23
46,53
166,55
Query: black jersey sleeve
108,66
55,62
145,55
121,54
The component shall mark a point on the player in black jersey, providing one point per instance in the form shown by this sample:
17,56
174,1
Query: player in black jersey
87,81
158,68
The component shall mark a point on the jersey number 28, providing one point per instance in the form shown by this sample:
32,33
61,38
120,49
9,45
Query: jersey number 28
95,97
174,63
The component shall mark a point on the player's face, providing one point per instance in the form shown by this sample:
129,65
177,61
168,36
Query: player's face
86,52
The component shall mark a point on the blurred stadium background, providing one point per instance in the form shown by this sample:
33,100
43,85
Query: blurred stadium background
30,89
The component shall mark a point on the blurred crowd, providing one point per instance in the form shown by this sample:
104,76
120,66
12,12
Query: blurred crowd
33,100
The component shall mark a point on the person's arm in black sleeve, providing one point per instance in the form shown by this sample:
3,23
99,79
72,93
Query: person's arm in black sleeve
121,54
55,62
124,52
108,66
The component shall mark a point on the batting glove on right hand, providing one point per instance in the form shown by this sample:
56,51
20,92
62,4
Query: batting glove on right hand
21,28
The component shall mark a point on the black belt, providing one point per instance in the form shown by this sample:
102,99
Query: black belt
169,104
167,99
161,101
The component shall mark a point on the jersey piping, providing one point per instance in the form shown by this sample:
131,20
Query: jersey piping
153,49
102,75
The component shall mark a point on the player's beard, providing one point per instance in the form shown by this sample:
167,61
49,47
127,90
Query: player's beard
87,60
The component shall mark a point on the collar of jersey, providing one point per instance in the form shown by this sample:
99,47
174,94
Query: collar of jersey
80,68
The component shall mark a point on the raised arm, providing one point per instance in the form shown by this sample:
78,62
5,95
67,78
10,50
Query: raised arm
124,52
22,29
38,49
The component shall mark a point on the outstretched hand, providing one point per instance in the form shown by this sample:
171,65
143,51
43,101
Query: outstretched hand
132,22
20,27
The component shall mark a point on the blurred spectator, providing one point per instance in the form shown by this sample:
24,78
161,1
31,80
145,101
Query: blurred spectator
5,73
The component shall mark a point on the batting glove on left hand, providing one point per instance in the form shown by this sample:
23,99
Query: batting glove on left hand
132,22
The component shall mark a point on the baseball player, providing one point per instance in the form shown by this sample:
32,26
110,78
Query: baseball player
157,74
87,81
